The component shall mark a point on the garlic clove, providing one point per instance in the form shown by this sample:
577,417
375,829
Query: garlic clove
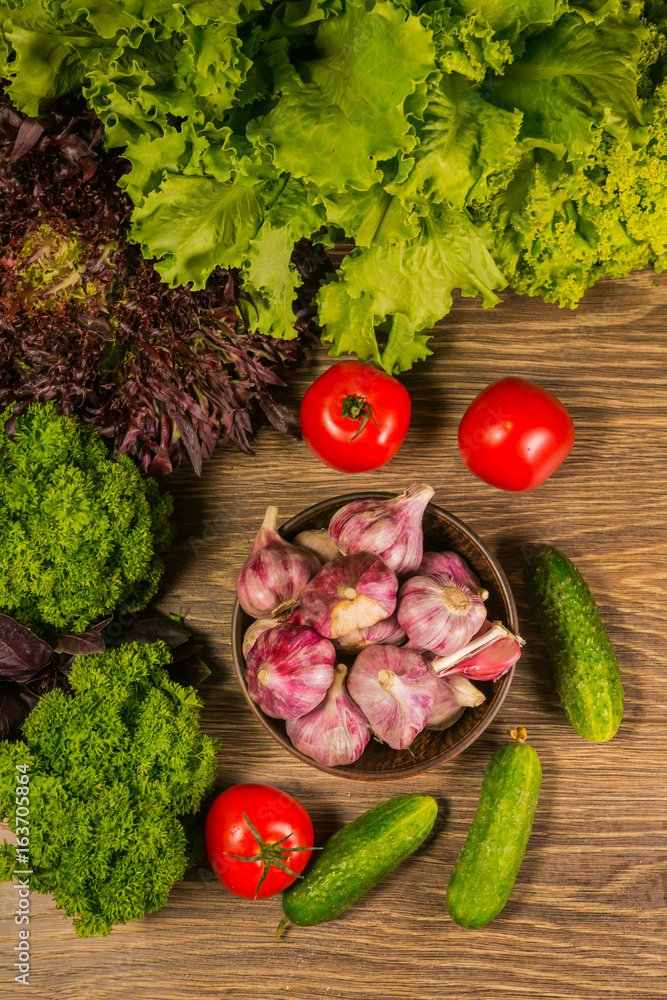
455,566
350,592
336,731
437,614
289,670
386,632
392,529
275,572
320,542
396,691
455,694
486,657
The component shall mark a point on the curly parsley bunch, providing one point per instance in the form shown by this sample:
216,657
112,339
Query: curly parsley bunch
80,532
116,770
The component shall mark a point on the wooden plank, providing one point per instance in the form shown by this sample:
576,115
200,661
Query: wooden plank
588,915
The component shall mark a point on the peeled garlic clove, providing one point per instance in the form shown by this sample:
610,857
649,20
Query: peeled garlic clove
350,592
437,614
488,655
320,542
337,731
289,670
455,566
386,632
392,529
454,695
396,691
275,572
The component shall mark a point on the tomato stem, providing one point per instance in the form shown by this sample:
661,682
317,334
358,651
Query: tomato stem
358,408
269,853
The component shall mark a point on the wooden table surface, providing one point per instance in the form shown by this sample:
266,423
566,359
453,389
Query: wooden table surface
588,914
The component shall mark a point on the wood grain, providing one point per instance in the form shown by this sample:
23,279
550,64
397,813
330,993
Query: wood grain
588,915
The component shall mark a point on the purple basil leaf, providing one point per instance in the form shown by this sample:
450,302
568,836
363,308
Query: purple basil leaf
280,417
23,655
190,672
16,703
79,644
147,626
29,133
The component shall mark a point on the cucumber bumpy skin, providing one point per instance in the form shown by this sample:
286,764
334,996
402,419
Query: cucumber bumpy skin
487,867
355,858
585,667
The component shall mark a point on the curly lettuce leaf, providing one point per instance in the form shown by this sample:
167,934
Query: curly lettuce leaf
270,278
409,286
574,80
345,113
467,147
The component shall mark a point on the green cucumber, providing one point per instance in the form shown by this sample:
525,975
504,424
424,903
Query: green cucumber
355,858
488,864
585,667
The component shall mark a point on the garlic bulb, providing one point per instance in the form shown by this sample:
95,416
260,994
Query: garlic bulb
337,731
320,542
289,670
275,572
396,691
454,695
455,566
386,632
254,631
489,654
437,614
350,592
392,529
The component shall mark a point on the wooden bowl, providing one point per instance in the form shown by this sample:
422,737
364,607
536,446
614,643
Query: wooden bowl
442,531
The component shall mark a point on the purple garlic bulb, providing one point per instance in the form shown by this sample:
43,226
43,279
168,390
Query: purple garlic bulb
489,654
455,694
386,632
337,731
455,566
275,572
289,670
350,592
396,691
437,614
392,529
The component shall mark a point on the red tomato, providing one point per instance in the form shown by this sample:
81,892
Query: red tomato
265,826
355,417
515,434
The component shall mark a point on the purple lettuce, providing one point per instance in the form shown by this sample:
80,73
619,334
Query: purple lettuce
86,321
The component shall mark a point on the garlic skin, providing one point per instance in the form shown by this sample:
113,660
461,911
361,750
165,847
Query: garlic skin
386,632
392,529
289,670
396,691
437,614
275,572
455,566
455,694
336,731
350,592
320,542
487,657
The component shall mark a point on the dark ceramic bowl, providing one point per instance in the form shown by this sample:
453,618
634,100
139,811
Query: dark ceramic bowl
442,531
